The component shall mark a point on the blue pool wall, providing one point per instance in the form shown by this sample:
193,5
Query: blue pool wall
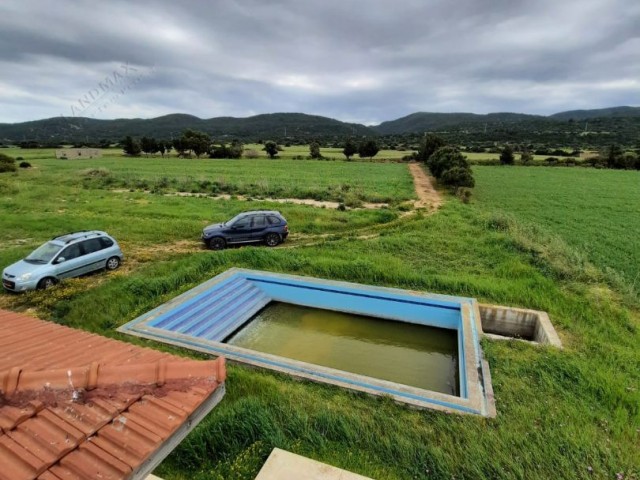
394,307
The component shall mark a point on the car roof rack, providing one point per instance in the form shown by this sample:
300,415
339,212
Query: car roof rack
86,234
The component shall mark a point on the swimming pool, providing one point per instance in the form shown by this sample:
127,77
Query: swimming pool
206,317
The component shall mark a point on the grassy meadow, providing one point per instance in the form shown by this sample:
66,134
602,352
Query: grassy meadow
348,182
528,238
595,211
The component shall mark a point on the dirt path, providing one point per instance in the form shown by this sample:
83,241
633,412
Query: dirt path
298,201
427,195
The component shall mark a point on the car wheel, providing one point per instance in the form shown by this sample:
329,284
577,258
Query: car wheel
216,243
113,263
272,239
45,283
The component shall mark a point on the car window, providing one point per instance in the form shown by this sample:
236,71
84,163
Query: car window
273,220
259,221
71,252
242,223
91,245
106,242
232,222
44,253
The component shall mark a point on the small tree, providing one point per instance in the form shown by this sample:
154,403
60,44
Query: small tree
271,148
526,157
162,147
614,156
368,148
350,148
429,144
507,157
180,147
314,150
131,147
197,142
148,145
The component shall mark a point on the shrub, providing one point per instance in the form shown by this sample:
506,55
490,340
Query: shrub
24,165
100,172
7,163
451,168
464,194
458,176
251,154
19,158
429,145
526,157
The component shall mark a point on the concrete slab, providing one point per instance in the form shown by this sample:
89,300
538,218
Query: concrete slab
283,465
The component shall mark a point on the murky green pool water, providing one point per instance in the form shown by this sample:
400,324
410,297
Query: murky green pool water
415,355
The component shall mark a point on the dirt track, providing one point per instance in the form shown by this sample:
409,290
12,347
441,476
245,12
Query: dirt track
427,195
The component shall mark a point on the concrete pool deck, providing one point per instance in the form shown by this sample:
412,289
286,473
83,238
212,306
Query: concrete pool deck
283,465
202,319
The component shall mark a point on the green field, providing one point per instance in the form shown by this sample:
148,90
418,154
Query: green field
595,211
526,239
260,178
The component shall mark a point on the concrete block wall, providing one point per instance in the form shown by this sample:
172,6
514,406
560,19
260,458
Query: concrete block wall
520,323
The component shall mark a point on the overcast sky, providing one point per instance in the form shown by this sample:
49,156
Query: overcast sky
362,61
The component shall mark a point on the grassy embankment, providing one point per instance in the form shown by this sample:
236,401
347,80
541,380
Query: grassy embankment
573,413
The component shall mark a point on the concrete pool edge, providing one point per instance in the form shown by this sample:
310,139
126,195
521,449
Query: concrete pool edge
475,396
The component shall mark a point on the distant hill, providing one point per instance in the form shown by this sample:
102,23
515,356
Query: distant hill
616,124
597,113
266,126
427,121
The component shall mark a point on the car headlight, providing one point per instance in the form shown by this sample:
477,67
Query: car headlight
25,276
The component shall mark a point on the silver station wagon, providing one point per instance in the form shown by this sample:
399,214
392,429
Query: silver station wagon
69,255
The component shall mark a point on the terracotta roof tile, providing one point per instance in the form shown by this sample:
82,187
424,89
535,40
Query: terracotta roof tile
17,461
74,405
90,461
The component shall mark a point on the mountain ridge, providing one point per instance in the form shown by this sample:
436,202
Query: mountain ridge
284,125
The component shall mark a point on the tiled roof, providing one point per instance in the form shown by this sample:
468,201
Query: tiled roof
74,405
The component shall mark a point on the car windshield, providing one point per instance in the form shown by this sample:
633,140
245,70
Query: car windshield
44,253
231,222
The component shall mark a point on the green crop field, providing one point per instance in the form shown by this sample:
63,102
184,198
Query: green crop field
529,238
282,178
595,211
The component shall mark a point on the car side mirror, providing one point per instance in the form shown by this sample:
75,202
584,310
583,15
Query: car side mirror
60,259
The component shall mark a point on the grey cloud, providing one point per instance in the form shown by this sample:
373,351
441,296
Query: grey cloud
356,60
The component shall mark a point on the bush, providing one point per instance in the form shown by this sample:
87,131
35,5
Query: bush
24,165
251,154
451,168
458,177
100,172
7,163
464,194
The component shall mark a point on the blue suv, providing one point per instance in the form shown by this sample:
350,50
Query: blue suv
65,256
266,226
